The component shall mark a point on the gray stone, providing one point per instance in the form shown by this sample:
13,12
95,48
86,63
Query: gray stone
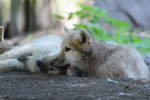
136,12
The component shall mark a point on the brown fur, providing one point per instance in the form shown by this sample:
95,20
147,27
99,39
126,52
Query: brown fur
84,55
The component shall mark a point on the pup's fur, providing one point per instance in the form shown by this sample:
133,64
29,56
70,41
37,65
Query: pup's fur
84,55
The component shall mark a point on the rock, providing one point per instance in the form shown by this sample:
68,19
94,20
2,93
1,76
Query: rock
136,12
112,81
124,94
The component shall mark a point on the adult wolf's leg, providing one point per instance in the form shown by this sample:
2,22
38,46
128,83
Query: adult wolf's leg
10,64
15,53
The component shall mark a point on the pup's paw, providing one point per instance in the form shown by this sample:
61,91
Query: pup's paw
75,71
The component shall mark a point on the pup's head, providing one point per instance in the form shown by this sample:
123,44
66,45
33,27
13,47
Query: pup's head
75,50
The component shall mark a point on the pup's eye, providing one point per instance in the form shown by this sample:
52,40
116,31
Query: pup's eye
67,49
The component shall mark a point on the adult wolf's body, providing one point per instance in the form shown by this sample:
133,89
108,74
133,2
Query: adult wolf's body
24,57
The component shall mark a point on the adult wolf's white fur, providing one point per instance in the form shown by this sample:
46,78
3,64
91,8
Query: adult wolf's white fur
46,45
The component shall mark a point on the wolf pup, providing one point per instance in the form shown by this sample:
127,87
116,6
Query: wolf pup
81,54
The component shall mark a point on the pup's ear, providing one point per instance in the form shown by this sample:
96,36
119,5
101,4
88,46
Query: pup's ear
84,36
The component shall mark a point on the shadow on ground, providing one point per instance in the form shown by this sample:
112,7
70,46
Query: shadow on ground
28,86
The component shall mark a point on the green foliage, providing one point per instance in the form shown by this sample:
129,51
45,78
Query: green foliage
58,16
92,19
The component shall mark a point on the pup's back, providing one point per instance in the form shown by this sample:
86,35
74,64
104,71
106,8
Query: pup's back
120,61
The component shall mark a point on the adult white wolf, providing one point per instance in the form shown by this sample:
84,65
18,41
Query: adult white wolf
24,57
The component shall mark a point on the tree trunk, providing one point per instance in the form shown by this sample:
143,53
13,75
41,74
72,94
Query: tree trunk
13,31
0,16
30,15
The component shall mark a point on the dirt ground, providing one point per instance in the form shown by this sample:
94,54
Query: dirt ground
28,86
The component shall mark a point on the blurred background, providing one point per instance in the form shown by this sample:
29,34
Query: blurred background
123,21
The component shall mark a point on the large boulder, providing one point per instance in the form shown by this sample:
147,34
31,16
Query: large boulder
136,12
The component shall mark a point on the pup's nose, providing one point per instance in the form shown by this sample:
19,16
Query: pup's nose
39,63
